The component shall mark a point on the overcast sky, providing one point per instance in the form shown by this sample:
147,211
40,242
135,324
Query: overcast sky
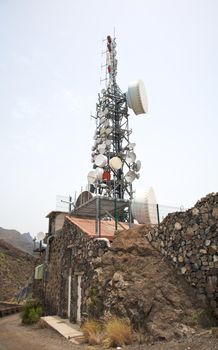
50,58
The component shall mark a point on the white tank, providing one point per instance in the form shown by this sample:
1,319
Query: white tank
144,206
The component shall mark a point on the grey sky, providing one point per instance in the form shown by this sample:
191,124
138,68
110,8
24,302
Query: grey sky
50,57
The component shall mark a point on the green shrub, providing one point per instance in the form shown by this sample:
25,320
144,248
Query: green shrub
32,312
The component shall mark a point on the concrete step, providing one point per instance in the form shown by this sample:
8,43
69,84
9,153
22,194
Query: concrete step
68,330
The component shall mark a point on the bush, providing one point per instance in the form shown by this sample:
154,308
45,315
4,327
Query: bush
32,312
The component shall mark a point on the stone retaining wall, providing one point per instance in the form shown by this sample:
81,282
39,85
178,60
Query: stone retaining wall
70,254
190,241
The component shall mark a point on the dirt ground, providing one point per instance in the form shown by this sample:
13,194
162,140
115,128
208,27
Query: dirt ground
14,336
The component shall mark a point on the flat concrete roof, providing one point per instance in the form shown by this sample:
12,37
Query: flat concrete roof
100,204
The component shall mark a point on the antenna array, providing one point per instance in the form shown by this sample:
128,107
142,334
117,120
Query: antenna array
114,161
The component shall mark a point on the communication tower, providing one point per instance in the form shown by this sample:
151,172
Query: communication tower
114,163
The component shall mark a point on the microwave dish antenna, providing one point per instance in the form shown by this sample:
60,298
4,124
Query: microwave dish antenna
92,177
115,163
82,198
137,165
144,206
137,98
101,160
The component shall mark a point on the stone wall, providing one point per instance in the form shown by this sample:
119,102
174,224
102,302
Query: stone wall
70,254
190,241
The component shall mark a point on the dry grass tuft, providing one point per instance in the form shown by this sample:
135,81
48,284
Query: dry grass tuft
92,331
118,332
114,332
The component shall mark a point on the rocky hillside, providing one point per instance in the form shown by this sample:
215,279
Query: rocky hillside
133,280
16,267
18,240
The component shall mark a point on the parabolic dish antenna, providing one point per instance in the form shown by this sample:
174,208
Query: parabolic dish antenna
92,177
130,176
102,131
40,236
105,111
137,166
101,148
108,142
99,173
130,157
144,206
101,160
131,145
108,130
137,98
115,163
82,198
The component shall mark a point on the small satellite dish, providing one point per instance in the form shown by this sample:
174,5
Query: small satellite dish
131,145
106,123
102,131
137,165
108,130
92,177
101,148
130,176
130,157
137,98
106,176
103,91
99,173
100,114
101,160
40,236
101,145
105,112
108,142
115,163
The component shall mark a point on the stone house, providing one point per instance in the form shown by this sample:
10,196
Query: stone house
56,220
70,252
187,240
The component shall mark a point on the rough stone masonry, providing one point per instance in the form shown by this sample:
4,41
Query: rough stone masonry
190,241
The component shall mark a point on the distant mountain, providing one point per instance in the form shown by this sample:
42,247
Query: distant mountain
18,240
16,267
